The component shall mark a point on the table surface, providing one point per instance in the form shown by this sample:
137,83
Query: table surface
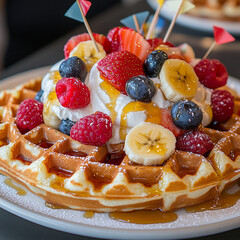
53,52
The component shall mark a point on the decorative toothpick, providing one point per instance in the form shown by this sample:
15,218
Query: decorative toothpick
180,6
155,19
135,21
221,36
73,12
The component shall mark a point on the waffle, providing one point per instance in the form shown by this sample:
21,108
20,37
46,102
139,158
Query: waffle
228,10
68,173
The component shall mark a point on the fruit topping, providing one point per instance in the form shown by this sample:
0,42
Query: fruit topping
154,62
72,93
140,88
195,141
149,144
65,126
118,67
29,114
95,129
73,67
167,122
178,80
186,114
135,43
38,96
114,38
87,52
222,105
73,42
212,73
155,42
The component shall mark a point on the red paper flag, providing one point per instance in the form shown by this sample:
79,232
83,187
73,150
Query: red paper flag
85,6
222,36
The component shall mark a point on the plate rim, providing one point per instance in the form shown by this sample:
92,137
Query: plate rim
106,232
199,23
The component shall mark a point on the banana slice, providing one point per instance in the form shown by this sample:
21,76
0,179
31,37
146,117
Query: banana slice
149,144
88,53
178,80
49,117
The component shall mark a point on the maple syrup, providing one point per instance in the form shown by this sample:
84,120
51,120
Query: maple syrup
88,214
45,143
75,153
23,159
152,111
233,154
54,206
226,200
9,183
115,158
113,94
144,216
4,142
61,172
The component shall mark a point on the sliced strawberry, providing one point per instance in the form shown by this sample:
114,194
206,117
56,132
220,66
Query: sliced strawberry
135,43
118,67
155,42
176,56
73,42
166,121
114,38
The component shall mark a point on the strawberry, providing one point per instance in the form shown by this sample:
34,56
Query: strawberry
166,121
155,42
135,43
118,67
73,42
114,38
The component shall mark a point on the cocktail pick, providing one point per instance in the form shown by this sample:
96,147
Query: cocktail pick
135,21
78,12
155,18
180,7
221,36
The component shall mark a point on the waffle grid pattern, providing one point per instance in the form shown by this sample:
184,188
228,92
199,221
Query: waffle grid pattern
68,173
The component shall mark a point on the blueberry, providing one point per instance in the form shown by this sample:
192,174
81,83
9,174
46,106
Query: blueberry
186,114
73,67
153,64
140,88
39,95
65,126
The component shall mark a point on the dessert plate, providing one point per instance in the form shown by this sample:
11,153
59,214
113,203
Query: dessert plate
33,208
197,23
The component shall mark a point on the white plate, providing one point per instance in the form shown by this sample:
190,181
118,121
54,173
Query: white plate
33,208
197,23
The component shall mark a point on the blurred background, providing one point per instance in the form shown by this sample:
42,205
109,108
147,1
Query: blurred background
26,26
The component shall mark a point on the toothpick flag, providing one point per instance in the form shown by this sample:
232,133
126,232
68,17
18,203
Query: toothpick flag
221,36
140,18
74,11
174,5
155,18
78,11
180,7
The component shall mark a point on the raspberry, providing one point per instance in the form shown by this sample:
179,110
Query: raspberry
211,73
72,93
195,141
95,129
29,114
222,105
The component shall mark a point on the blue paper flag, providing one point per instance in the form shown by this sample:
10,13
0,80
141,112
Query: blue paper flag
129,21
74,13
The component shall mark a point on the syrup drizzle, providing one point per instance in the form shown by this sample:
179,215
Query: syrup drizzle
9,183
144,216
45,143
88,214
226,200
4,142
54,206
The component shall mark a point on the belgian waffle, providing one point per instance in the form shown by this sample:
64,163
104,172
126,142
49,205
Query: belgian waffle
219,9
73,175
